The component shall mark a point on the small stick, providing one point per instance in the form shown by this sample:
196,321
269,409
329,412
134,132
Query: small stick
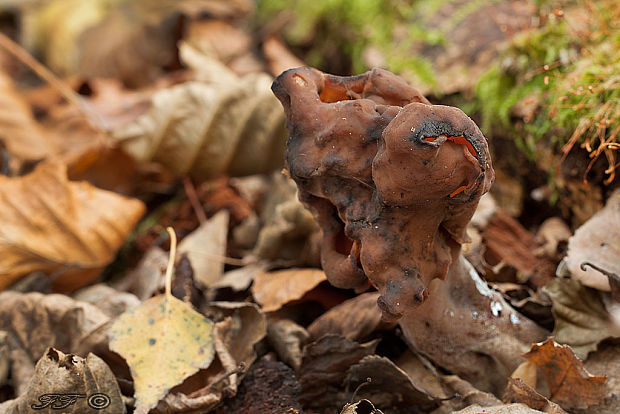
190,190
173,253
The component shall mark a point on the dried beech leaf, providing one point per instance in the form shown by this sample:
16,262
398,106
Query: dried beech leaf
518,391
570,385
390,387
164,341
208,129
72,384
287,338
23,136
581,319
68,229
205,247
272,290
354,319
597,241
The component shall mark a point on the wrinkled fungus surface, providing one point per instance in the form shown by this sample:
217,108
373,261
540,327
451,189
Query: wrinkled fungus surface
392,179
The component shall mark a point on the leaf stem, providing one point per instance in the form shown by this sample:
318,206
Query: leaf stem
171,260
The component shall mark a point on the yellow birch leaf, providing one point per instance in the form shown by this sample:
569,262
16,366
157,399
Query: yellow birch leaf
164,341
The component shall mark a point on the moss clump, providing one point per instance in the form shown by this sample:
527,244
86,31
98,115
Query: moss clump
337,35
568,71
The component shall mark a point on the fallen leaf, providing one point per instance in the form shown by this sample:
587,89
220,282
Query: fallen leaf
111,301
287,338
238,328
469,394
606,361
360,407
498,409
324,366
270,387
148,276
272,290
581,319
69,230
34,322
354,319
5,362
22,135
240,279
70,383
597,241
207,129
570,385
205,247
164,341
422,373
518,391
389,387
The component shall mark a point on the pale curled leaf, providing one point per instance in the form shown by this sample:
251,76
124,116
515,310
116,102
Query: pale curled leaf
275,289
205,247
161,348
581,319
52,225
597,241
208,129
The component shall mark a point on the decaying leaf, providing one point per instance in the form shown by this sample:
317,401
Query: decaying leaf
570,385
240,279
518,391
354,319
238,327
581,319
389,385
164,341
287,338
597,242
606,361
498,409
205,247
206,129
422,373
324,366
69,383
360,407
22,135
69,230
111,301
148,276
275,289
34,322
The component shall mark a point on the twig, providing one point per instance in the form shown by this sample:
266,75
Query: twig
171,259
190,191
44,73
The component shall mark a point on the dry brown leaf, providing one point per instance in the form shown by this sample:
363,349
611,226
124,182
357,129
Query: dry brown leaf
272,290
422,373
581,319
323,369
69,383
360,407
354,319
240,279
34,321
164,341
517,391
69,230
206,129
22,135
206,247
389,387
148,276
598,242
570,385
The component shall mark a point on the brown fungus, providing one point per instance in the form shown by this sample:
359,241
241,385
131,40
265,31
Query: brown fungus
393,182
